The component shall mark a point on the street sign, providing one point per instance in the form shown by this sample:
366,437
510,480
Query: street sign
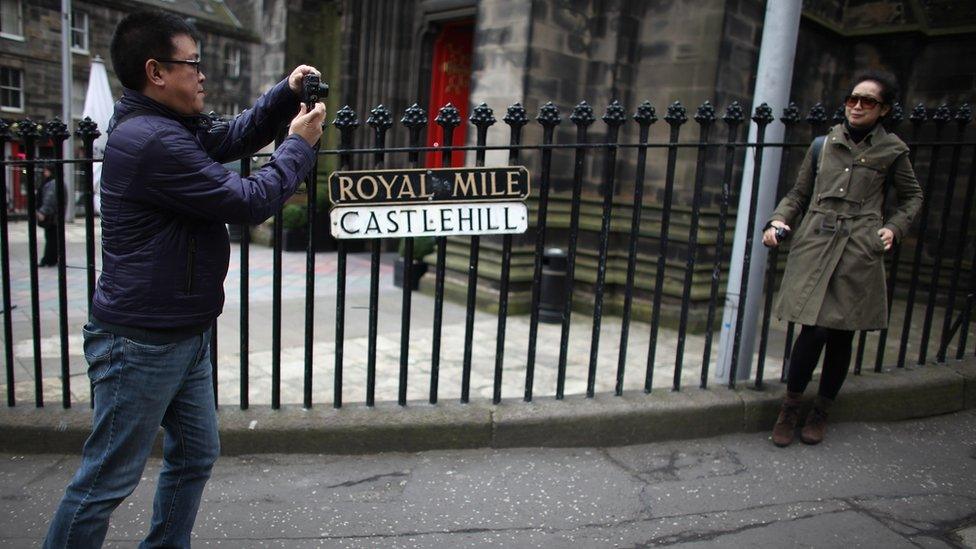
429,202
371,187
437,219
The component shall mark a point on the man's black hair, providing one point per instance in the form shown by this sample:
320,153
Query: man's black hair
889,86
145,35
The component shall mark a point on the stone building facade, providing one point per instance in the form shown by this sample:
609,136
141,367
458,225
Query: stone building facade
35,52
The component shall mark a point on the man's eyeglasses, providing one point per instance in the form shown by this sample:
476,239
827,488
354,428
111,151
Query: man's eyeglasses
195,63
866,102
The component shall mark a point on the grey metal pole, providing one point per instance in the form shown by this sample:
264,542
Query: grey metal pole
773,78
66,88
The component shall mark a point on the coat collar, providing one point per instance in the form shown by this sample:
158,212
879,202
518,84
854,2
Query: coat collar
134,102
873,137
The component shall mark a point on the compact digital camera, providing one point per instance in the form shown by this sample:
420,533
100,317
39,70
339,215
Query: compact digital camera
313,90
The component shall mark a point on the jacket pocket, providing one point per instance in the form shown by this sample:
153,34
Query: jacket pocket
191,256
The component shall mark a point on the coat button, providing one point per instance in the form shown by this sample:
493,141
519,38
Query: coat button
842,189
862,160
847,169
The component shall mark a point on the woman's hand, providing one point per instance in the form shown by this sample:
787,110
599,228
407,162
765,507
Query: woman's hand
769,236
888,237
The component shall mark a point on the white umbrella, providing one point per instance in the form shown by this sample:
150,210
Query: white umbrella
98,106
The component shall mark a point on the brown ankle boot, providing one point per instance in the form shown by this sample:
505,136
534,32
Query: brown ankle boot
815,426
789,414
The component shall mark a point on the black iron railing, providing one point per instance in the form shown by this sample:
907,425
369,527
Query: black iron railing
722,156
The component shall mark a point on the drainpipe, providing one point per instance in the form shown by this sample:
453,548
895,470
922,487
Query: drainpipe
774,75
67,85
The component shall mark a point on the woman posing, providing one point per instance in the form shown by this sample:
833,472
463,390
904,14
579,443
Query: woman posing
835,281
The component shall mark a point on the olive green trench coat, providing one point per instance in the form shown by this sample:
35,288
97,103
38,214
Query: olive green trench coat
835,272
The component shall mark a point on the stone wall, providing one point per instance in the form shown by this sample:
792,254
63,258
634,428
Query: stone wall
40,57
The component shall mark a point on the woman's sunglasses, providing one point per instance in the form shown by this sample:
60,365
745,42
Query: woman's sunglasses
868,103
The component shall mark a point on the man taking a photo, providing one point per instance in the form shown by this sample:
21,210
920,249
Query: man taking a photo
166,197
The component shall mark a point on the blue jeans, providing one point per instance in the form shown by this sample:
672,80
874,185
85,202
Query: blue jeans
137,388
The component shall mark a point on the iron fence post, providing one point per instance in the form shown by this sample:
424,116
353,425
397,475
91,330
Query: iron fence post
705,117
415,120
8,344
733,118
516,118
763,116
582,117
482,117
675,117
548,118
28,132
57,132
346,121
614,118
645,116
963,117
381,120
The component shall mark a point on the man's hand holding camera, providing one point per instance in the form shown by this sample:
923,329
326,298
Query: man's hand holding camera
308,122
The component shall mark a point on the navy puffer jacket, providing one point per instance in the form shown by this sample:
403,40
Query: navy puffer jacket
166,197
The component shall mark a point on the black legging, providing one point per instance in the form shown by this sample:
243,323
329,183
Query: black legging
806,354
50,256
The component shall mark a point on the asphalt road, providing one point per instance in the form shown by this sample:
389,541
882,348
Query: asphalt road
890,485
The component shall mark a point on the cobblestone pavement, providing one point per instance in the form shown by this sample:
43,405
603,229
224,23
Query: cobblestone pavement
882,485
356,337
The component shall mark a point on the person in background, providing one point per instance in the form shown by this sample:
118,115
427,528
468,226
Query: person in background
165,250
47,216
835,282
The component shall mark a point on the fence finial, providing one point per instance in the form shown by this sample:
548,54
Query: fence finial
346,119
839,115
677,114
919,114
734,114
943,114
56,130
791,115
817,115
582,114
448,117
27,129
895,117
705,115
615,115
645,115
763,115
549,115
380,118
414,117
87,130
964,115
482,116
516,116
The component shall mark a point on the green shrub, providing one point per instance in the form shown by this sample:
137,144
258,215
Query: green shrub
422,245
294,216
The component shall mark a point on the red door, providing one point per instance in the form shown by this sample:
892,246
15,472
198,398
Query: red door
450,82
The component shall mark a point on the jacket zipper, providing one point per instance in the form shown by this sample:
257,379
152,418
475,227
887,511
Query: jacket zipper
191,256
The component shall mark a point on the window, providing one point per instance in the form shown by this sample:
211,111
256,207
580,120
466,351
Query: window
11,89
79,31
232,61
11,19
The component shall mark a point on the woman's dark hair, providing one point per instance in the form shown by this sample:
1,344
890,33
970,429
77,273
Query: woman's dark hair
889,86
145,35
